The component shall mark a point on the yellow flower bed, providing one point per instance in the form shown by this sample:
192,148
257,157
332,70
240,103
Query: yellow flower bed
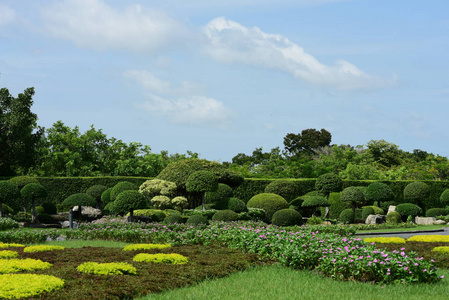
14,286
18,265
134,247
107,268
429,238
5,254
385,240
10,245
41,248
172,258
442,249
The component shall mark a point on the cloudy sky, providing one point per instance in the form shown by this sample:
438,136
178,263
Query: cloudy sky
224,77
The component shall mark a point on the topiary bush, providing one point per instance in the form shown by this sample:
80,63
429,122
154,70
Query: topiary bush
286,217
161,202
285,188
296,203
328,183
234,204
197,220
106,197
416,191
269,202
121,187
32,194
393,218
155,187
7,210
314,221
225,215
79,199
313,202
444,197
128,201
378,210
408,209
353,195
223,192
49,208
435,212
9,194
366,211
201,182
96,191
347,216
175,219
22,181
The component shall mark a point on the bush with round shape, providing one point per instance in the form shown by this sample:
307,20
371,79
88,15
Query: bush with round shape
366,211
197,220
408,209
393,217
201,182
435,212
22,181
285,188
225,215
269,202
17,286
128,201
353,195
158,216
347,216
328,183
378,191
314,220
155,187
33,193
237,205
286,217
49,208
175,219
79,199
9,194
313,202
416,191
223,192
444,197
179,203
7,210
96,191
296,203
121,187
45,218
378,210
161,202
106,197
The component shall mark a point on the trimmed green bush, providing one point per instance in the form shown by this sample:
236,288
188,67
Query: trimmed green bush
96,191
347,216
79,199
435,212
22,181
378,191
175,219
234,204
336,205
7,210
223,192
284,188
9,194
393,217
49,208
311,203
254,214
416,191
32,194
156,187
225,215
197,220
444,198
378,210
353,195
121,187
366,211
296,203
286,217
128,201
408,209
106,197
314,220
328,183
269,202
200,182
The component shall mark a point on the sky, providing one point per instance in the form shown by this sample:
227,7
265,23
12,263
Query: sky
225,77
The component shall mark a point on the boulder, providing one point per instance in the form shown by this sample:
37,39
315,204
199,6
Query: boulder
425,220
375,219
89,213
66,224
439,222
391,208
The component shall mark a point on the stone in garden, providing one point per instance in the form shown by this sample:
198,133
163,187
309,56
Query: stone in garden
425,220
439,222
375,219
66,224
391,208
142,219
89,212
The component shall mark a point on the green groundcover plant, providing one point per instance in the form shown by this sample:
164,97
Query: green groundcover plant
15,286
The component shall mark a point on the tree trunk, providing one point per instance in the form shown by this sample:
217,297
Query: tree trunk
131,215
34,217
203,204
1,209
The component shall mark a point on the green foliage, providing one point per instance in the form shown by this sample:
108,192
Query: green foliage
387,154
286,217
435,212
223,192
314,220
393,217
197,220
79,199
45,218
106,197
315,201
307,141
9,193
129,200
284,188
49,208
21,181
161,202
175,219
336,205
379,191
179,202
416,191
366,211
33,192
269,202
233,203
205,213
225,215
156,187
121,187
201,182
253,214
8,223
347,216
7,210
328,183
378,210
444,198
352,194
96,191
408,209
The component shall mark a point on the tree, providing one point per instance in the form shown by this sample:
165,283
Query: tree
307,141
96,191
201,182
416,191
354,195
19,133
33,193
128,201
9,193
387,154
380,192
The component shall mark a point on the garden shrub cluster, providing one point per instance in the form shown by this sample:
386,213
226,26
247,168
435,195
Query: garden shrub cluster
172,258
15,286
269,202
18,265
115,268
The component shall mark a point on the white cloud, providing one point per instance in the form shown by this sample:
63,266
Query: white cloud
94,24
229,42
185,107
7,15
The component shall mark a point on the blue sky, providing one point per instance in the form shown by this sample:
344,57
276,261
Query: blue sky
224,77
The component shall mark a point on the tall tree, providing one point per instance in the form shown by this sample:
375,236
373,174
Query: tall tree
307,141
19,133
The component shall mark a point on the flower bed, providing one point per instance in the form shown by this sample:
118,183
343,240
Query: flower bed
41,248
135,247
116,268
14,286
441,249
172,258
18,265
6,254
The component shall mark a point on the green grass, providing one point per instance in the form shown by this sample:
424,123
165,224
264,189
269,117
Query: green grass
418,228
278,282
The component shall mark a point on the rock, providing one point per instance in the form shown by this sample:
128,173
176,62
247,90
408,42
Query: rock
89,213
141,219
391,208
439,222
375,219
66,224
425,220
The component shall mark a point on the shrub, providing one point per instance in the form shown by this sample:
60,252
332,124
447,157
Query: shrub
284,188
312,202
137,247
106,197
296,203
205,213
237,205
121,187
128,201
201,182
223,192
366,211
435,212
22,216
79,199
172,258
7,210
286,217
255,214
22,181
353,195
49,208
336,205
155,187
179,203
328,183
8,223
96,191
408,209
114,268
378,191
393,217
416,191
161,202
175,219
197,220
9,193
313,220
41,248
378,210
16,286
46,218
225,215
444,198
31,194
269,202
347,216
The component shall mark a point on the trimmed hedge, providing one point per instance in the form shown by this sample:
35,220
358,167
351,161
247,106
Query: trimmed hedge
269,202
286,217
435,212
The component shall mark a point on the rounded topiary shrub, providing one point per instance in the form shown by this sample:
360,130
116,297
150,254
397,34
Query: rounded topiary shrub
328,183
416,191
22,181
296,203
285,188
444,198
49,208
129,200
408,209
435,212
175,218
366,211
96,191
237,205
106,197
121,187
79,199
378,210
393,217
378,191
347,216
269,202
223,192
286,217
225,215
197,220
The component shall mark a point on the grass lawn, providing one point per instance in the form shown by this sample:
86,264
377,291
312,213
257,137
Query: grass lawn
417,228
